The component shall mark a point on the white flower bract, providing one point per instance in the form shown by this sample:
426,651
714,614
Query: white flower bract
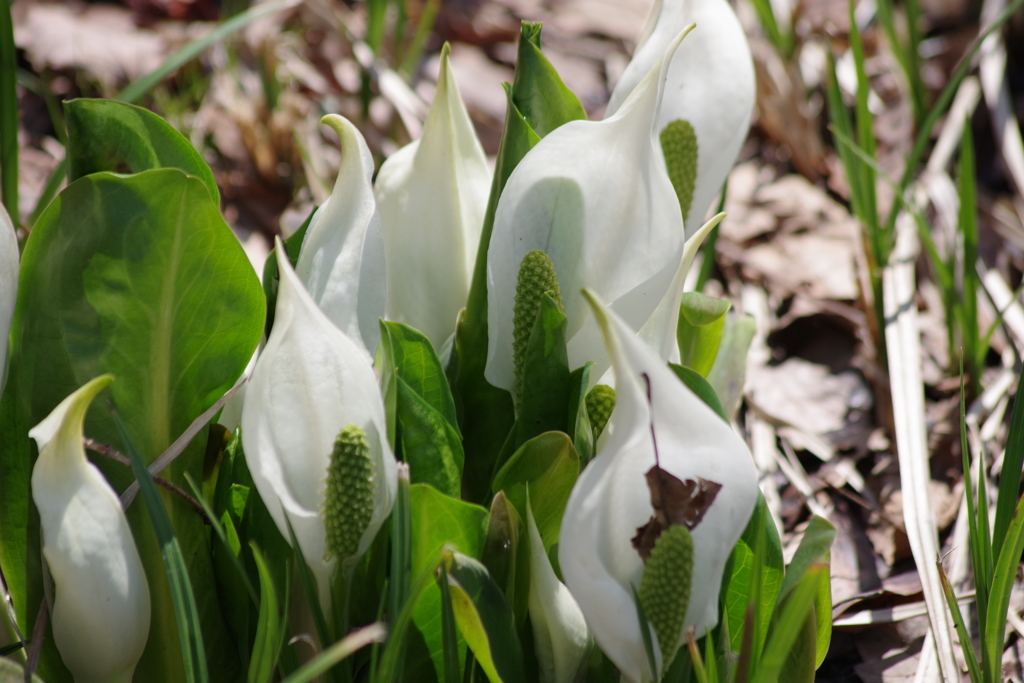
101,606
596,198
310,381
342,258
432,195
611,498
710,84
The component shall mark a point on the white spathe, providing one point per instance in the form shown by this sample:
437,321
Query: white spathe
596,198
611,498
660,329
310,381
710,84
9,260
342,259
432,195
560,633
101,605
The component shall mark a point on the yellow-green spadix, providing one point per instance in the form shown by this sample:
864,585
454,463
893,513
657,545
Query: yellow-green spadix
312,383
101,607
596,198
612,499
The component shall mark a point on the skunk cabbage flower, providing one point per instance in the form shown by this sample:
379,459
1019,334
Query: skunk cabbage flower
8,286
315,436
342,258
710,89
432,195
596,198
611,500
560,632
101,598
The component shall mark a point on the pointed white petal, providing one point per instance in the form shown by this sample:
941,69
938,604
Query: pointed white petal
611,498
342,258
710,84
101,605
432,196
596,198
310,381
560,633
660,329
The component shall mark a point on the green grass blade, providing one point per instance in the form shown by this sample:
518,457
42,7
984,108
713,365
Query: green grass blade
419,38
982,573
699,671
787,625
267,647
192,650
325,661
924,133
448,636
710,244
968,227
8,115
218,529
993,635
866,139
400,600
842,128
1009,478
140,87
389,662
961,629
645,635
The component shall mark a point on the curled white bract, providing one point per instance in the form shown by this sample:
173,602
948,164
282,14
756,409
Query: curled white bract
710,84
560,633
311,381
432,195
101,606
342,258
596,198
611,498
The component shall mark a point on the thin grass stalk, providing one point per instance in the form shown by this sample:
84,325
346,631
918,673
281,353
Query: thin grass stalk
968,229
923,138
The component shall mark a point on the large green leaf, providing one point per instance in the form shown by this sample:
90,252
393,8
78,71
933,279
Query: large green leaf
104,135
700,386
739,586
138,276
485,620
729,372
537,90
549,465
578,422
417,363
429,443
420,403
506,555
438,521
546,382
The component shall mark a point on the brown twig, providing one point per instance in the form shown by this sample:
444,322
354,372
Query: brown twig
115,455
36,643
